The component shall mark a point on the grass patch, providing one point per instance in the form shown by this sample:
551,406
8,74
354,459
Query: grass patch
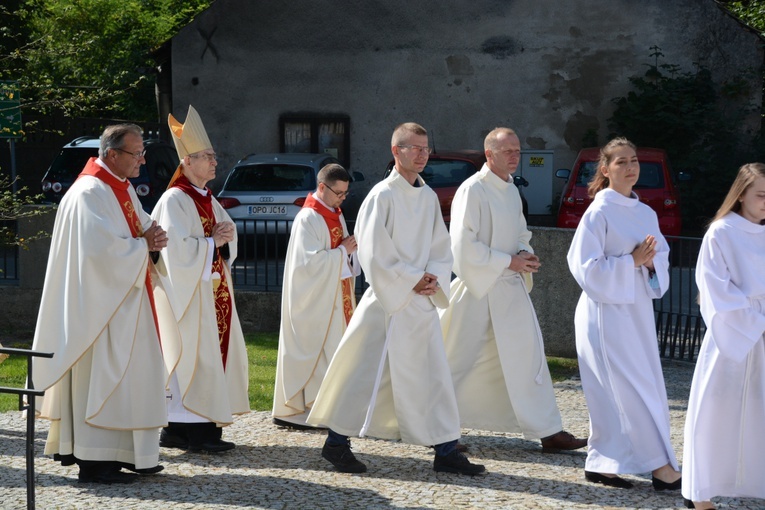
261,351
13,374
562,368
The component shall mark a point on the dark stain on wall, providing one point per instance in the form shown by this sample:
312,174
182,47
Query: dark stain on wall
577,127
536,143
501,46
459,65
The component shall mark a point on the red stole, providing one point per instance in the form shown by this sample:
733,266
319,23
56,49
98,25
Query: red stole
332,219
221,292
120,189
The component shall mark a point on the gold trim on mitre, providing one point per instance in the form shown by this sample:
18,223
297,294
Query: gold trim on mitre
189,137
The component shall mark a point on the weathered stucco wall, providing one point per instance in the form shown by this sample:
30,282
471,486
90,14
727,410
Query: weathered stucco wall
549,69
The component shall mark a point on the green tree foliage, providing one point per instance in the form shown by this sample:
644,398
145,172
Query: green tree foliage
15,206
751,12
701,125
89,57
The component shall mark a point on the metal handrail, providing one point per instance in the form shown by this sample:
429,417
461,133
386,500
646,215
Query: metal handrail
29,407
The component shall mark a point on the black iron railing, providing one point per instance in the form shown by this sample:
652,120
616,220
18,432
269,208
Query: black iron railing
29,406
9,258
261,250
679,324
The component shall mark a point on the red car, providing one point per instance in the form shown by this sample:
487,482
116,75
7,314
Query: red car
655,187
446,170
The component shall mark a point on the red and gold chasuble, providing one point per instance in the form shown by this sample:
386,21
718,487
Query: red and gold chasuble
221,291
332,219
120,189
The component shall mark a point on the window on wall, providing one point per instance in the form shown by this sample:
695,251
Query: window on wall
316,133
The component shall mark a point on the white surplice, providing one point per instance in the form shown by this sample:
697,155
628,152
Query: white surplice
189,326
724,450
105,383
491,334
389,377
616,336
313,312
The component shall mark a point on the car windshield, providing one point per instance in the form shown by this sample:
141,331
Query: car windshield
276,177
70,162
441,173
161,162
651,175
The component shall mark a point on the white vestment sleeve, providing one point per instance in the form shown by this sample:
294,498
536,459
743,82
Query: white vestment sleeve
605,279
207,273
735,324
391,277
475,262
188,250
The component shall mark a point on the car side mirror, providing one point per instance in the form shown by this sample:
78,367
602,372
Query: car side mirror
563,173
520,181
683,176
357,176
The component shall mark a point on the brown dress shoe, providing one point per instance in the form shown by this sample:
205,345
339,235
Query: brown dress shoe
562,441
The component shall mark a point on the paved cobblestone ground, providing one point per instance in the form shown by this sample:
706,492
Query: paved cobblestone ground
274,468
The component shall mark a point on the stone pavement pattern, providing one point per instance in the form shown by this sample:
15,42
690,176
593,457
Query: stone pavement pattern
274,468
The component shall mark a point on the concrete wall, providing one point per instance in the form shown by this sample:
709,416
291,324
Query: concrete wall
554,295
547,68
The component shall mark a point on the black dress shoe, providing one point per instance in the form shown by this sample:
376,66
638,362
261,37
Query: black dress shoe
142,471
456,462
168,439
659,485
614,481
212,446
295,426
562,441
108,476
342,458
688,503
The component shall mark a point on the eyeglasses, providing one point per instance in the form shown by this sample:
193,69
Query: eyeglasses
417,148
207,155
342,194
136,155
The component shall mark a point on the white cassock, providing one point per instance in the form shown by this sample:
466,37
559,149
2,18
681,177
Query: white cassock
313,312
389,377
491,334
724,450
200,389
616,336
105,383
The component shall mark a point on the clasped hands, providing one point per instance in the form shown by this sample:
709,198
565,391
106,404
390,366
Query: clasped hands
644,253
350,244
223,233
156,237
525,262
427,286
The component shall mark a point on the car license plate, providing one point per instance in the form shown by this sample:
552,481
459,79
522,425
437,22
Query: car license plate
267,209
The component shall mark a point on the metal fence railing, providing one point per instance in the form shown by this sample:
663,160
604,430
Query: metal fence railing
9,258
680,328
679,325
9,263
29,406
261,250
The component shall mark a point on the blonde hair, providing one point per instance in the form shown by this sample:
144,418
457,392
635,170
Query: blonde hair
402,131
600,181
747,174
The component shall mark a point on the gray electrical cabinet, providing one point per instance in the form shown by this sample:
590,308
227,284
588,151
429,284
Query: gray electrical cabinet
537,168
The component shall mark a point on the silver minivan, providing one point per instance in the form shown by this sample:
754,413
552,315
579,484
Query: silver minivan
264,192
